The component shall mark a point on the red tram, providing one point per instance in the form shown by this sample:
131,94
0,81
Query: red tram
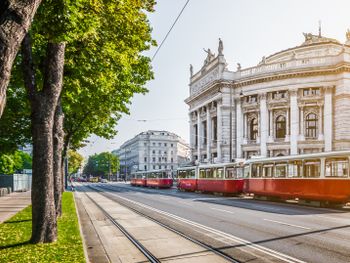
322,177
159,179
313,177
186,178
212,178
138,179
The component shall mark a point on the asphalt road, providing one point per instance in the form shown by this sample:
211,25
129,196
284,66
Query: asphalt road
265,231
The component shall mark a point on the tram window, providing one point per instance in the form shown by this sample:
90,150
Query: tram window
295,168
208,173
246,171
201,173
337,167
312,168
268,170
281,170
255,170
220,173
181,174
230,172
239,172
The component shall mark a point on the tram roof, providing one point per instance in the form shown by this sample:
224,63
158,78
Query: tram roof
299,157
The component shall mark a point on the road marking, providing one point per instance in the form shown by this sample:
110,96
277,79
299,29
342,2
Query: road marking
287,224
238,240
223,210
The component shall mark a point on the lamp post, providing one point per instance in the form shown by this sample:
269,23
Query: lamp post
231,122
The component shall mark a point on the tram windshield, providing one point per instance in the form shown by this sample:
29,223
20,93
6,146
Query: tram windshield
337,167
186,174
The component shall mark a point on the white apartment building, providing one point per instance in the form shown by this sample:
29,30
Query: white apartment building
294,101
152,150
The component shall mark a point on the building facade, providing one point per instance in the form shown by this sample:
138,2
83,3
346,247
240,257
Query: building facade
294,101
152,150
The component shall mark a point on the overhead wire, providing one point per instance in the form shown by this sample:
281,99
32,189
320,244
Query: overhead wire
167,34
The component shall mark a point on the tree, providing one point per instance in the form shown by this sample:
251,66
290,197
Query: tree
103,64
15,19
75,161
6,164
103,164
14,162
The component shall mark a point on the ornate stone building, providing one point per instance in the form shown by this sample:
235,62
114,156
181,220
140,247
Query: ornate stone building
294,101
152,150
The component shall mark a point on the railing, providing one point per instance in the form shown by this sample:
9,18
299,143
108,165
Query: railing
288,65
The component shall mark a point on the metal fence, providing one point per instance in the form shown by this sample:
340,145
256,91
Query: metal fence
17,182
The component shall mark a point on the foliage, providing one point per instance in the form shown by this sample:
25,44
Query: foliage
15,234
75,161
15,121
102,164
10,163
104,65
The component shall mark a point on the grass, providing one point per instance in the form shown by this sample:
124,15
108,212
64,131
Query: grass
15,235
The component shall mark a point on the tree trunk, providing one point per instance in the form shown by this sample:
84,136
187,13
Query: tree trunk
58,137
43,107
15,19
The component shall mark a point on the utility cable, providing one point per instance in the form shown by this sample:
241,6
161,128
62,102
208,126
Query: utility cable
167,34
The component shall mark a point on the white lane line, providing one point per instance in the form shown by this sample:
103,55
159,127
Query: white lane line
222,210
287,224
238,240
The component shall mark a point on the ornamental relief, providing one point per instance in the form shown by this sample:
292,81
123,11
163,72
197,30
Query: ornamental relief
278,113
197,86
308,110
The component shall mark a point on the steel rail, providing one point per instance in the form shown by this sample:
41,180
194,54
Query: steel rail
133,240
196,241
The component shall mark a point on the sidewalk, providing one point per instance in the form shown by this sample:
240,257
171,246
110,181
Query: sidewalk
13,203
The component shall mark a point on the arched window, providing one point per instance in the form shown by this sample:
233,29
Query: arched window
280,127
253,129
311,123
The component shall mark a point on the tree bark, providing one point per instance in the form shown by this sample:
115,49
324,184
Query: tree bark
58,137
15,19
43,107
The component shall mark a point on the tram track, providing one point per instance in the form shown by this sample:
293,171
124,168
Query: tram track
149,255
261,250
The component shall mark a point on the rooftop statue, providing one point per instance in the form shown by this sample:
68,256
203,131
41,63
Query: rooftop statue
210,56
191,70
221,47
348,35
239,67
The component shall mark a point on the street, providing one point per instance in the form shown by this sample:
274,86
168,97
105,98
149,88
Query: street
248,230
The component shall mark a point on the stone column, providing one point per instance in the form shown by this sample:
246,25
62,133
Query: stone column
287,126
320,123
294,114
198,136
192,135
239,128
219,128
328,119
245,129
302,121
208,134
270,139
263,125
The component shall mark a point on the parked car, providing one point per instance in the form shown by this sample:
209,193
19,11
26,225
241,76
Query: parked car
104,180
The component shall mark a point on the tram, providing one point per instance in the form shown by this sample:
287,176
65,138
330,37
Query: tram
212,178
138,179
312,177
156,178
186,178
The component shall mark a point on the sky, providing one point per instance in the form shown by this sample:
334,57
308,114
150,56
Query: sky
249,29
